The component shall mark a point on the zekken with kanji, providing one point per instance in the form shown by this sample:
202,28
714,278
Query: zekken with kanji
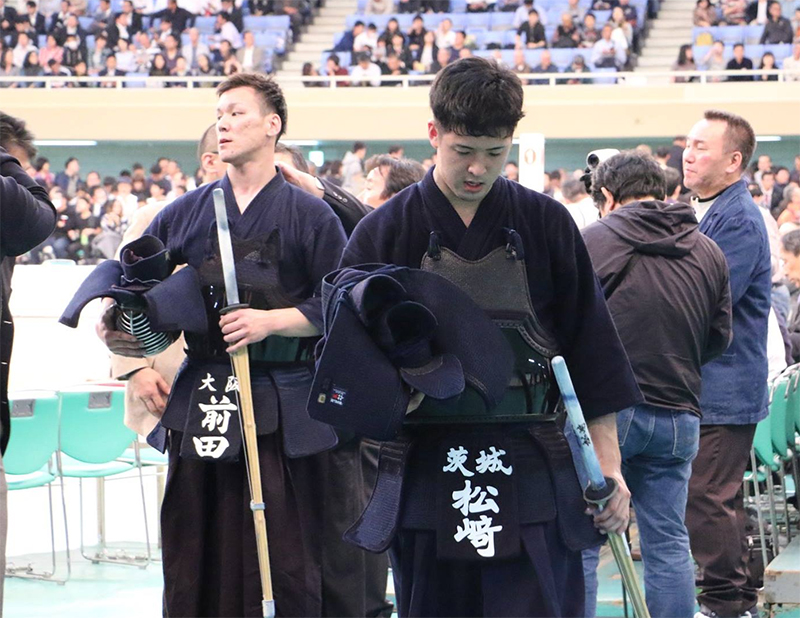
478,499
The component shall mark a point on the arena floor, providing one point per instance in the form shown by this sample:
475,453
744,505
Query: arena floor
107,590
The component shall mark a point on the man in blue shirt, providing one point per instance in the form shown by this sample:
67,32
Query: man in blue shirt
734,390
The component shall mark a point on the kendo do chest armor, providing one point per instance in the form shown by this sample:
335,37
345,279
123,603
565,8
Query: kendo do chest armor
498,283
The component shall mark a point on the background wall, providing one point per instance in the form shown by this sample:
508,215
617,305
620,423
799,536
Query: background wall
391,114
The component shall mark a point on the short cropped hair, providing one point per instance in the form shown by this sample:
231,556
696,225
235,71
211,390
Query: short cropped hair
208,143
270,92
14,134
791,242
739,135
628,176
298,160
476,97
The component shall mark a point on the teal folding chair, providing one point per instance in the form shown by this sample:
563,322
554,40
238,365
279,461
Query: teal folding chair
780,410
92,439
28,462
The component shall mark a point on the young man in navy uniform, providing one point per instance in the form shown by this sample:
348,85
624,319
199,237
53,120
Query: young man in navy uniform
491,519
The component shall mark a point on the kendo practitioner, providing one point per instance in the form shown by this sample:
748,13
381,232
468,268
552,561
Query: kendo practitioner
284,242
491,520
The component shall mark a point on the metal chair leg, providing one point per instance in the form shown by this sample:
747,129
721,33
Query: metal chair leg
144,504
782,476
776,549
759,515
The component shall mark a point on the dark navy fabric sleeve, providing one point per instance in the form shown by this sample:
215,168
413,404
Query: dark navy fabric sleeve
26,215
323,248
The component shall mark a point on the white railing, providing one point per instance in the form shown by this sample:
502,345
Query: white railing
643,78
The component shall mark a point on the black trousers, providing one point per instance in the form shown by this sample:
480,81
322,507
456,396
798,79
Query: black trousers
716,520
209,549
545,579
353,580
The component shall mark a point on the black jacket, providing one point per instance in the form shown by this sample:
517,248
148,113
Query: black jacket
667,287
26,218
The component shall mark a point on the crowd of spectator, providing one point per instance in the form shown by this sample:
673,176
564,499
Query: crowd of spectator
93,212
605,43
734,35
142,39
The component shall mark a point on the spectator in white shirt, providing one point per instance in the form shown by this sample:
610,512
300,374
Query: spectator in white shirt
126,59
227,31
22,49
609,53
792,63
445,35
366,72
367,39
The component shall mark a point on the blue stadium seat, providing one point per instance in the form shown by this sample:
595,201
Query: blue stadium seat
379,20
278,22
85,23
205,24
754,52
699,52
533,57
780,51
752,34
562,58
90,41
256,23
493,37
478,35
554,16
602,17
362,6
550,30
502,21
510,38
404,20
477,20
732,34
458,6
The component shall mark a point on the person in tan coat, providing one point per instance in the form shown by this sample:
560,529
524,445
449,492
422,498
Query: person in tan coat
149,379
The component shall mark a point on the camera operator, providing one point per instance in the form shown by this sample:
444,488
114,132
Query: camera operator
26,219
662,277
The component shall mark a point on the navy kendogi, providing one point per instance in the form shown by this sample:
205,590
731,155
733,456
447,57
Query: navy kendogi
284,243
490,519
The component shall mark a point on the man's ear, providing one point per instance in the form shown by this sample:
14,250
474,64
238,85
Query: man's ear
433,134
610,203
